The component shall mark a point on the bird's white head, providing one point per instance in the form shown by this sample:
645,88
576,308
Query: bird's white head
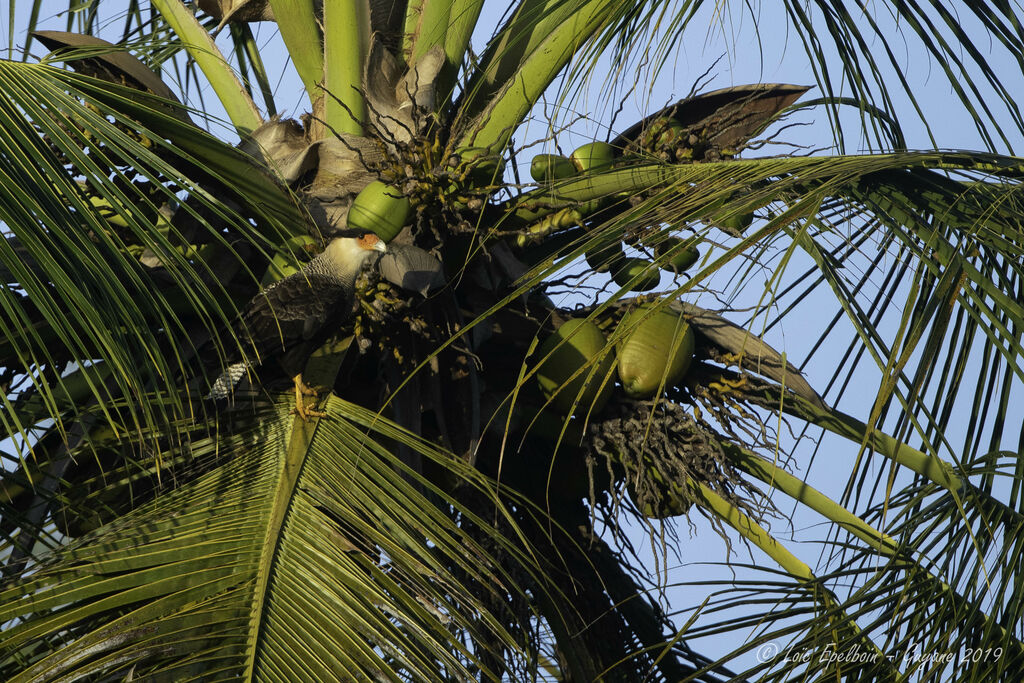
348,254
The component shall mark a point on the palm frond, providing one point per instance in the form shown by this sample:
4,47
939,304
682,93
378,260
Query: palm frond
101,207
852,53
303,523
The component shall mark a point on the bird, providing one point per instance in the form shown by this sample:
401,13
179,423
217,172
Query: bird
292,317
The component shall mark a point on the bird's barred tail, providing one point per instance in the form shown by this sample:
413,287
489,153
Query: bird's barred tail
224,385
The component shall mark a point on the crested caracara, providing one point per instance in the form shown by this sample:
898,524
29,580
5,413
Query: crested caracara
292,317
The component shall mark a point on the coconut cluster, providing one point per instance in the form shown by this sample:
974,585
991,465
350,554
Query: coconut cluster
662,454
619,399
665,139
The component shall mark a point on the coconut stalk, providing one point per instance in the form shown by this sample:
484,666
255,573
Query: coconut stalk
756,534
503,113
346,44
814,499
200,46
931,467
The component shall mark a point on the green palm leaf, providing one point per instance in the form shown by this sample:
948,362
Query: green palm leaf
275,537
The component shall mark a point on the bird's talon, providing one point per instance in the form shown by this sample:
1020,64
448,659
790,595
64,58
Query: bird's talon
301,389
307,413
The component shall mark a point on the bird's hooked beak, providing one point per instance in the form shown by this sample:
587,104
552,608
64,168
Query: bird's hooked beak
370,242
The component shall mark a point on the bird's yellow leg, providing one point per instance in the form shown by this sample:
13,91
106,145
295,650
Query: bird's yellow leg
302,390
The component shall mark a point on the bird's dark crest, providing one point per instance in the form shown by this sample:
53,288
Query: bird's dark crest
348,232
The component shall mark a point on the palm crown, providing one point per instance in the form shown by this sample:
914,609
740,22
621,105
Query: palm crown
437,522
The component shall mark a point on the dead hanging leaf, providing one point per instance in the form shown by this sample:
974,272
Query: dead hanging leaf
726,118
397,99
334,166
750,352
380,76
330,170
417,89
281,145
241,11
411,268
98,58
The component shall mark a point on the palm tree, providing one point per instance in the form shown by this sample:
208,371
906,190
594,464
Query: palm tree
440,520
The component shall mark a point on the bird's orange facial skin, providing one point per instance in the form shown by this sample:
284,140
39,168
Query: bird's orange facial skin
370,242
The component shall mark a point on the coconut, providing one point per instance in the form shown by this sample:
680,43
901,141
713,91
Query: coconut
665,132
637,274
605,257
593,156
679,254
656,353
661,501
670,134
736,222
576,344
380,209
549,167
550,464
552,427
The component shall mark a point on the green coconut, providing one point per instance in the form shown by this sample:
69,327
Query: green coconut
549,426
605,257
576,344
656,353
380,209
593,155
550,465
670,134
661,501
736,222
284,262
680,253
638,274
549,167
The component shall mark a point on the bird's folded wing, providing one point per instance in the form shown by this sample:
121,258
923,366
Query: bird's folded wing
293,309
